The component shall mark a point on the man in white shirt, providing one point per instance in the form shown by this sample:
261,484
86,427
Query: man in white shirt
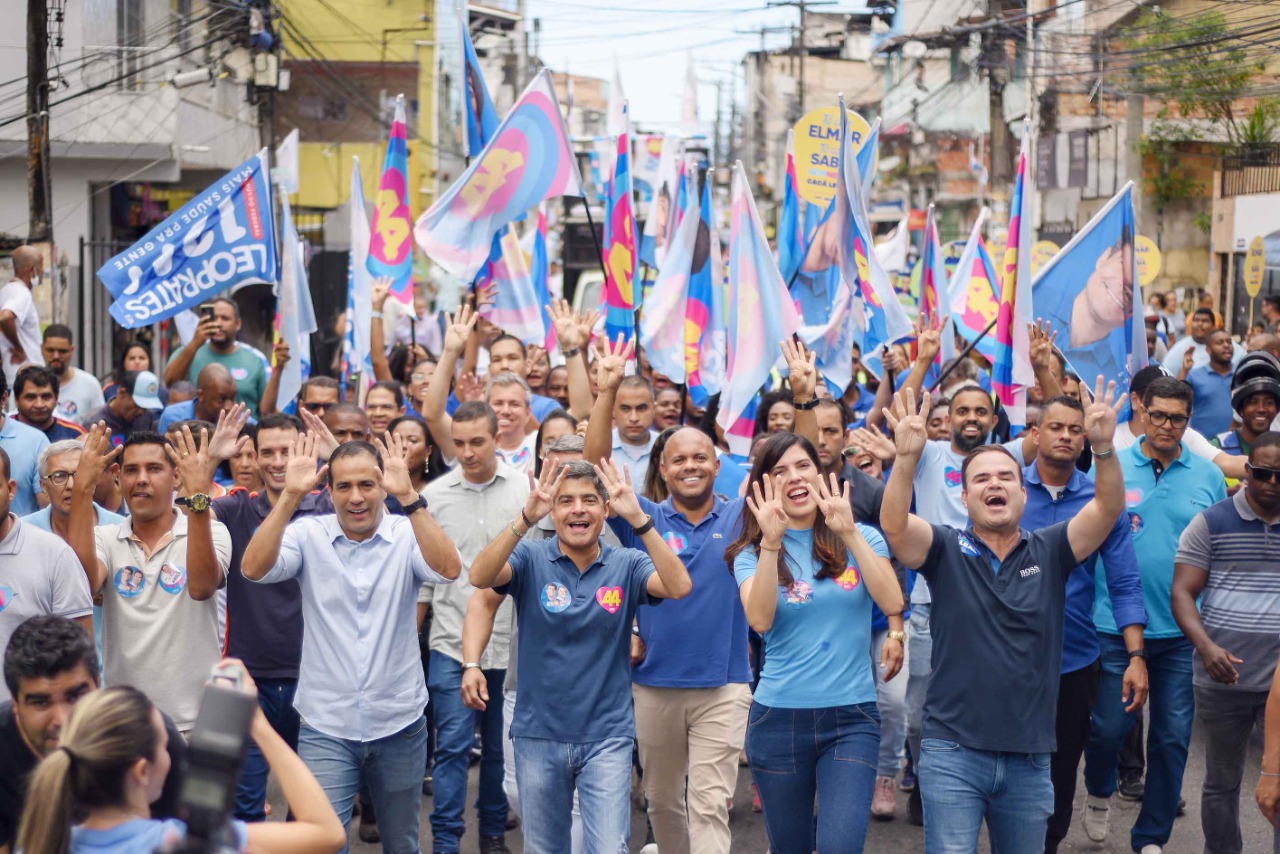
19,320
79,392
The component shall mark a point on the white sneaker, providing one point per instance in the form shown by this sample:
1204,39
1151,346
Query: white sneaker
1151,849
652,848
1097,819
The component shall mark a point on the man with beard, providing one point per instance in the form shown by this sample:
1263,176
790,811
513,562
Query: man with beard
1212,386
1203,322
215,341
79,392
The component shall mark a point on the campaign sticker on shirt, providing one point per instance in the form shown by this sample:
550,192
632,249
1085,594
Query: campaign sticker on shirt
798,594
129,581
675,541
173,579
849,579
951,475
6,596
69,408
239,374
1132,497
1135,523
555,598
520,457
966,545
610,598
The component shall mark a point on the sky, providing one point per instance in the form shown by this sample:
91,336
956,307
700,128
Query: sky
651,42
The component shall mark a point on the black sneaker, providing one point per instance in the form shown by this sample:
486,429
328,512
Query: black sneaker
915,808
1132,787
494,845
1182,807
428,788
368,831
513,820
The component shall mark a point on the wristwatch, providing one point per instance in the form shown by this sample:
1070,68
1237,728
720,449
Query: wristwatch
415,506
1138,653
197,503
641,530
811,403
900,637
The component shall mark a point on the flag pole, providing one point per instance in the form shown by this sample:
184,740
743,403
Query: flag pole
964,354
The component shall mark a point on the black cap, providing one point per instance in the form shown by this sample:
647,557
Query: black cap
1145,377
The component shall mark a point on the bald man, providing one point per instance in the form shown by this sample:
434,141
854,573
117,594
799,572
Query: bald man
215,393
19,320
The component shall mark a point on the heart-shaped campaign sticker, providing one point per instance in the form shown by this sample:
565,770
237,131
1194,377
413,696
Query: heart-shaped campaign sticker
6,596
610,598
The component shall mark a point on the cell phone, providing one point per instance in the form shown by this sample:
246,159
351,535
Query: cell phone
206,311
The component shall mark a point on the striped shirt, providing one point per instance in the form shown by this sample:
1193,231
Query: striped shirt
1240,605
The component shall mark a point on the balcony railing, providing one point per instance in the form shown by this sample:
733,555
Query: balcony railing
1251,172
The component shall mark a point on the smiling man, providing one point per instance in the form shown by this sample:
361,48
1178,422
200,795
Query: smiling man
1255,396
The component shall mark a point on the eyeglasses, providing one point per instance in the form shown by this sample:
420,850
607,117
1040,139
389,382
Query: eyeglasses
1262,475
317,407
59,478
1158,418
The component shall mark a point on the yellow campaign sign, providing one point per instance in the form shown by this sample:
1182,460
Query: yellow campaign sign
1042,253
1148,258
817,151
1255,265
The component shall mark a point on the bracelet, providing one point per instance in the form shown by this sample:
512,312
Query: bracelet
376,314
525,519
570,353
1102,455
517,534
764,549
470,665
645,528
1268,774
811,403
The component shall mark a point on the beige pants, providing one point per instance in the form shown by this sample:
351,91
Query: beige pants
693,733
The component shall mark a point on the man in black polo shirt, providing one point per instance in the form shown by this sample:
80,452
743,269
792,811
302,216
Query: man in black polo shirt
49,665
998,602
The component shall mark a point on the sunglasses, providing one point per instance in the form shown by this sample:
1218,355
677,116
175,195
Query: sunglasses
318,408
1261,474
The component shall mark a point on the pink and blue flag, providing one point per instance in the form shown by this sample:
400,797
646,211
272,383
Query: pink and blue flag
703,318
974,292
1011,373
662,323
482,118
760,315
620,264
528,161
792,235
935,307
539,271
390,249
1088,292
356,357
516,309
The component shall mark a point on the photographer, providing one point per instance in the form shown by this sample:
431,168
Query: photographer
111,764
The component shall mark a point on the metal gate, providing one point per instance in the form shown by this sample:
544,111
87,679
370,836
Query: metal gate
99,340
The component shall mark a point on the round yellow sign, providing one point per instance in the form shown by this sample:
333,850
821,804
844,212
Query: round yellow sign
1148,259
1042,253
817,151
1255,266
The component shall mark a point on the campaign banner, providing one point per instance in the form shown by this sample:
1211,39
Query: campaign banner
224,236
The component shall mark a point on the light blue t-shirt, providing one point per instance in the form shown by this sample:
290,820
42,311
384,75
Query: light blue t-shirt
817,646
23,444
143,834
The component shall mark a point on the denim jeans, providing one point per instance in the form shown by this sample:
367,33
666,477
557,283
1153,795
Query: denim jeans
549,772
961,787
455,733
1171,705
390,766
275,697
1227,719
920,642
796,754
891,702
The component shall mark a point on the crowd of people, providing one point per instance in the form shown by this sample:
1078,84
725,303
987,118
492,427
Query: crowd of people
549,563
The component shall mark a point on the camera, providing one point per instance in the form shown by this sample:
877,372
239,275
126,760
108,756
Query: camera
215,753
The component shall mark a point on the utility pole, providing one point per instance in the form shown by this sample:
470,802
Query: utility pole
39,228
996,60
800,46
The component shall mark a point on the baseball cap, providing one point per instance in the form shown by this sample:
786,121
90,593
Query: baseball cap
1145,377
146,390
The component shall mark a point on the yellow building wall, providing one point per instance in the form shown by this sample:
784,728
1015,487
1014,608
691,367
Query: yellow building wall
324,171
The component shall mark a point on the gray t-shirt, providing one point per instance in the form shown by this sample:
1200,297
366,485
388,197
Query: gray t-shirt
79,397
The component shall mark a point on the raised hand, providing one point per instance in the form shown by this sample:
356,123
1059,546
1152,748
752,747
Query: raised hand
533,352
611,367
1041,339
874,442
486,296
280,352
928,342
394,478
802,366
833,504
565,323
325,442
226,441
379,290
542,495
458,328
468,387
1100,414
909,426
766,506
97,456
622,497
891,361
586,325
301,475
191,459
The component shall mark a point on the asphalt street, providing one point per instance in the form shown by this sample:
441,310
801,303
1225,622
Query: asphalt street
899,837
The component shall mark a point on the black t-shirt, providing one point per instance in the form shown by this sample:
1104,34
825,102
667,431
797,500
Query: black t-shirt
17,762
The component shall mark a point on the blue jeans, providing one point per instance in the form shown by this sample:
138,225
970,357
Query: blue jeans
961,787
920,642
275,697
796,754
547,772
455,733
1172,708
390,766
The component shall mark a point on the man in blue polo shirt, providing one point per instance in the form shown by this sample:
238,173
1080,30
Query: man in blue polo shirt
997,618
575,599
1056,490
1165,487
1212,386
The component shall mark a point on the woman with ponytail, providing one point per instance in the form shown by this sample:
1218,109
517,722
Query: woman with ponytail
807,574
111,765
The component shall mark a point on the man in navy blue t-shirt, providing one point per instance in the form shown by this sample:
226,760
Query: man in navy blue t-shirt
575,599
997,620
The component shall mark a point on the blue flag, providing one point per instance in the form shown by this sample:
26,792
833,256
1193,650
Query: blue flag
224,236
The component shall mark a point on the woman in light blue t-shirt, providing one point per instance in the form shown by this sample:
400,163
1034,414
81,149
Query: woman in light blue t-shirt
111,765
807,574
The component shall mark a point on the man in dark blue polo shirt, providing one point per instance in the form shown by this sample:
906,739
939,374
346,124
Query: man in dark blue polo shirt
997,620
692,687
1056,490
575,599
